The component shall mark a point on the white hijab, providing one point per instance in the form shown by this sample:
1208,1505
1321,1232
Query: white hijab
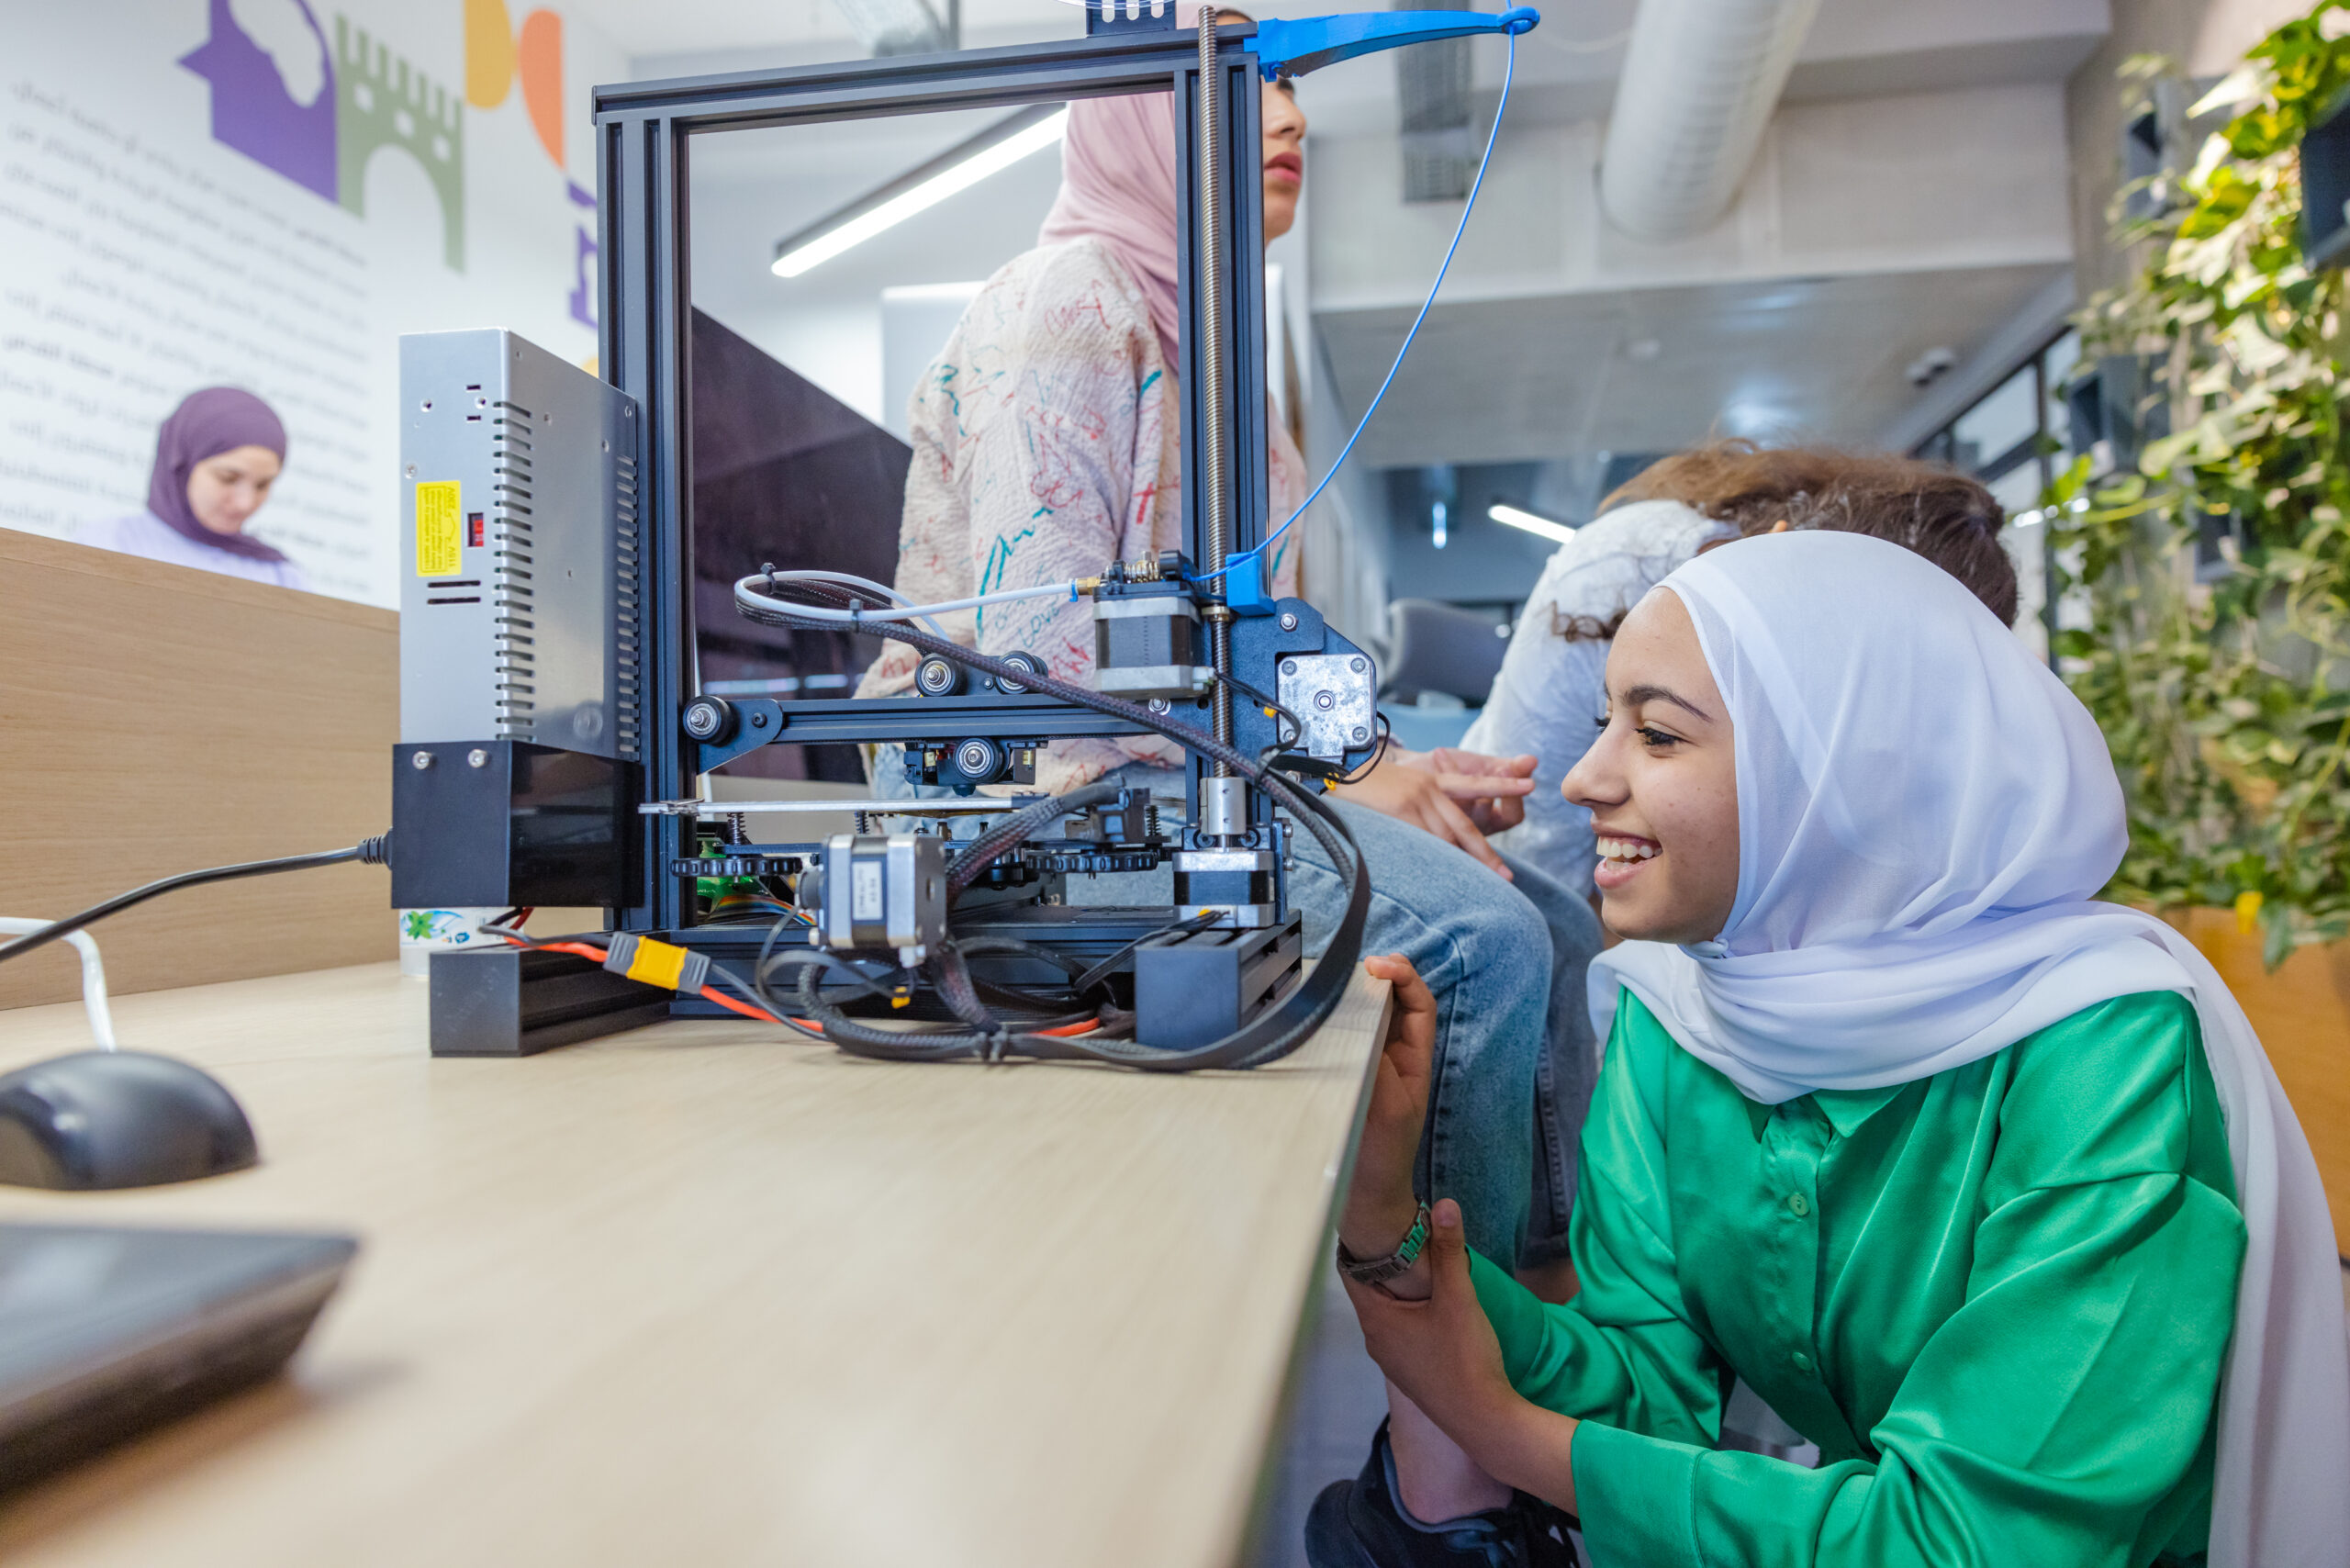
1925,817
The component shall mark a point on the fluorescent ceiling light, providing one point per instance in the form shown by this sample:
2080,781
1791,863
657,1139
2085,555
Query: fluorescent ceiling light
1512,517
957,169
935,293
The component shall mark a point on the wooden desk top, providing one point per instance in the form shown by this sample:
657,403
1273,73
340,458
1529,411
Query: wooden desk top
704,1293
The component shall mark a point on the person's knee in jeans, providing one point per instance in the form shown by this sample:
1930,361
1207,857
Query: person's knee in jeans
1485,952
1564,1078
1475,1148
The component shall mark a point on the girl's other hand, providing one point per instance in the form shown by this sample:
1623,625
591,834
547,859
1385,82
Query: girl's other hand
1380,1205
1442,799
1500,783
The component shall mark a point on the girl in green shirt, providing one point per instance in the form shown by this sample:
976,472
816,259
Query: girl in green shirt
1984,1185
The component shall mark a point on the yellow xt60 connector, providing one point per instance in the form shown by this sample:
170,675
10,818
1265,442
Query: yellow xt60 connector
663,964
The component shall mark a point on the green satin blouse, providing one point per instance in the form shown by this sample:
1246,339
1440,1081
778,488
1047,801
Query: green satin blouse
1998,1299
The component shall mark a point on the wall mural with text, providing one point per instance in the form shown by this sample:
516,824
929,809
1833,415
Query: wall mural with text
267,194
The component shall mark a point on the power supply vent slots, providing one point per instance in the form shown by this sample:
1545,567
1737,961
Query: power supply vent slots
514,595
628,612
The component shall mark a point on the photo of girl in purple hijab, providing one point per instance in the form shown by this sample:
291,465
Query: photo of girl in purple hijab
216,458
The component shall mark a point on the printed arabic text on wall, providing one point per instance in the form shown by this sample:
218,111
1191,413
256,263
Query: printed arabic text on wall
267,194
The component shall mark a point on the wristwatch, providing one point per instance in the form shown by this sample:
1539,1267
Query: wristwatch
1379,1270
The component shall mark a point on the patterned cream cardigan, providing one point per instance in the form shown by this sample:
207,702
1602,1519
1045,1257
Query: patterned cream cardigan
1046,446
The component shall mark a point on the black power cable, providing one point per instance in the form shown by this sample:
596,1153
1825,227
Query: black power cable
1271,706
1273,1034
1102,970
369,852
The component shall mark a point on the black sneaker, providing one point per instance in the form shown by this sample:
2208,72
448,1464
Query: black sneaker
1362,1524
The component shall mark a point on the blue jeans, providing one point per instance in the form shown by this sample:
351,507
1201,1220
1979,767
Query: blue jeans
1515,1060
1570,1065
1505,962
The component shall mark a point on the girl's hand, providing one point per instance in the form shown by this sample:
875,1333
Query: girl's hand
1441,1352
1380,1205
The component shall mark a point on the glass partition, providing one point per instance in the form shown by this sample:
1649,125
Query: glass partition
2015,438
830,265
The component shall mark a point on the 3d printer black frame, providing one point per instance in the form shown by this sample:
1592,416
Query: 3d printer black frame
645,135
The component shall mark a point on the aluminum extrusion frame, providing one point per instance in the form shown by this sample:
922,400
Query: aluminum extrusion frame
645,133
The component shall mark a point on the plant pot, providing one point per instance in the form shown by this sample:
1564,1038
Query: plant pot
2303,1014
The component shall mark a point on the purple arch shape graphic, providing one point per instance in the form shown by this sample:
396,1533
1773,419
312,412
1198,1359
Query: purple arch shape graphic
250,111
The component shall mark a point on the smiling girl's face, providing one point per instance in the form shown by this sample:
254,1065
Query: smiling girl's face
1661,784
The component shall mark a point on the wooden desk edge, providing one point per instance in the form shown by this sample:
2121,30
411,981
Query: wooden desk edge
135,573
1317,1281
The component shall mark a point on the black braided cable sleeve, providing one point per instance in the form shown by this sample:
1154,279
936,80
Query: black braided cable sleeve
961,991
1018,828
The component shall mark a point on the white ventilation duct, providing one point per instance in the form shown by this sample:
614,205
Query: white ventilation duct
903,27
1700,79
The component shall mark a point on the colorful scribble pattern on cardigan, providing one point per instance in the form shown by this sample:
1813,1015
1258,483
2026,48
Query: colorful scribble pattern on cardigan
1048,444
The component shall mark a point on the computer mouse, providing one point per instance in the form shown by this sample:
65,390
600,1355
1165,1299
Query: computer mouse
98,1120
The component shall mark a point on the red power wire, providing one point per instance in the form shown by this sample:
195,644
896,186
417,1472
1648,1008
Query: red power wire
712,993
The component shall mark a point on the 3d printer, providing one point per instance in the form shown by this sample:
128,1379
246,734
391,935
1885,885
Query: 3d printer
547,626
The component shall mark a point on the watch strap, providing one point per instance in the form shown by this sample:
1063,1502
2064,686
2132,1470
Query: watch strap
1379,1270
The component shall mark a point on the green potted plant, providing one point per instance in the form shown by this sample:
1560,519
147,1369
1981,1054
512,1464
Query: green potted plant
2223,684
2204,592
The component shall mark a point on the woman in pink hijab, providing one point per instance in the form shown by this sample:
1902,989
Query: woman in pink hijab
1046,433
1118,190
1046,446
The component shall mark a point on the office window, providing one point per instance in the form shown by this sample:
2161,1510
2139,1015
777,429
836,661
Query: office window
2056,362
2000,433
2014,439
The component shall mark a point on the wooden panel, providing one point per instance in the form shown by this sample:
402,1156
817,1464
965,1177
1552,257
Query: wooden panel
2302,1015
705,1294
156,719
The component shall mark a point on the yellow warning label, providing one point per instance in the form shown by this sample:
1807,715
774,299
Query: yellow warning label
438,529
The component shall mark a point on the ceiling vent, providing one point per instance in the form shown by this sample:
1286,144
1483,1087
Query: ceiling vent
1439,143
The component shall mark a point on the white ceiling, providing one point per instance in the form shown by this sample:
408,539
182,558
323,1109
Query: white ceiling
1814,359
657,32
752,188
1538,379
